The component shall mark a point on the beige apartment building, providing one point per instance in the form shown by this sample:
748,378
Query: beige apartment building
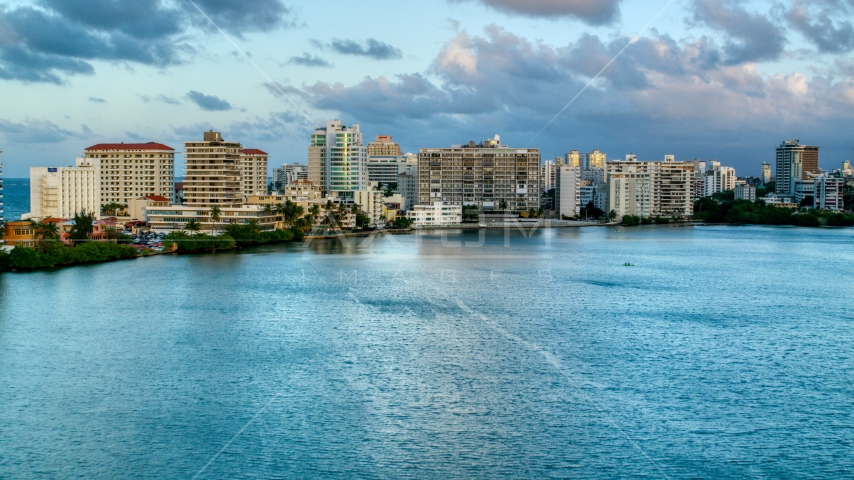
132,170
253,163
481,174
383,146
649,189
214,173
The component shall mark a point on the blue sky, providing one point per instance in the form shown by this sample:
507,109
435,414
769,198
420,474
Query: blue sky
727,80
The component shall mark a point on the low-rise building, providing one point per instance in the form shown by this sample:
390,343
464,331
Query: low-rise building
19,233
438,214
137,206
175,218
744,191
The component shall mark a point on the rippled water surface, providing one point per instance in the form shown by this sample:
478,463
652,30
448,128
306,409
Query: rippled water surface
724,352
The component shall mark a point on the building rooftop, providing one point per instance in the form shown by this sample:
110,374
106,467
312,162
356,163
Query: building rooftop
253,151
130,146
156,198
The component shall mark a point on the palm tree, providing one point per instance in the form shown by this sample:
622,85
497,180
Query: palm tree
193,226
216,215
612,215
254,226
268,209
49,230
314,211
502,205
82,228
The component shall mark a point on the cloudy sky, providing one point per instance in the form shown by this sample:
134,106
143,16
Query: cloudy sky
695,78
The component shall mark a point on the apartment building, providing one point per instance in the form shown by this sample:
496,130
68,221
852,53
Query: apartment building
436,214
385,168
482,174
288,174
60,192
407,186
718,179
595,159
794,162
568,191
548,173
743,191
829,192
649,189
253,163
337,160
383,146
132,170
1,187
766,173
214,173
574,159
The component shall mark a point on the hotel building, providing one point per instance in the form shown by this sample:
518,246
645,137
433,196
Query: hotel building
384,146
132,170
481,174
60,192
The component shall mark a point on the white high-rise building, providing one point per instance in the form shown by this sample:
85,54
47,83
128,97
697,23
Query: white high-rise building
131,170
547,174
214,173
719,179
829,192
61,192
766,173
794,162
337,160
568,191
253,163
648,189
289,174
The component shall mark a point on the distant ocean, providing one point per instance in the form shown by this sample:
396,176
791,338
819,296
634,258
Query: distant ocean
16,197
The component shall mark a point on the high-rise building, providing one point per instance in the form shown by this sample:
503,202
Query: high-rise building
718,179
595,159
766,173
214,172
574,159
337,160
649,189
383,146
61,192
407,185
385,168
547,174
568,191
132,170
1,187
794,162
289,174
829,192
253,163
484,174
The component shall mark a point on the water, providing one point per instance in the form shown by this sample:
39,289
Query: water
16,198
725,352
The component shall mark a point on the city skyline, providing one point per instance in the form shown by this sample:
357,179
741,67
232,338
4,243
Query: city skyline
705,80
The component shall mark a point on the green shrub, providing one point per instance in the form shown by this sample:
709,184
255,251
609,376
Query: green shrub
840,220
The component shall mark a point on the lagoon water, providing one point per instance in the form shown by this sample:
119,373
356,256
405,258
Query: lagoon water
724,352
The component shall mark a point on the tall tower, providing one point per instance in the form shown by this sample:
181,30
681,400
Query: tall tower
595,159
789,167
766,172
214,174
253,163
574,159
338,160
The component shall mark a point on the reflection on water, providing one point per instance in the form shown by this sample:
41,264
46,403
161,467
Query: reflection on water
724,352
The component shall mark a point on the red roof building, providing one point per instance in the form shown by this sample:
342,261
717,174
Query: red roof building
101,147
253,151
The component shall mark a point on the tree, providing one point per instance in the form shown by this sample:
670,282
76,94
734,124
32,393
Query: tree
612,215
216,215
112,208
268,209
82,227
807,201
49,230
502,204
193,226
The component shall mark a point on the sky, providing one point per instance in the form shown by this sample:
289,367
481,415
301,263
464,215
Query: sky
725,80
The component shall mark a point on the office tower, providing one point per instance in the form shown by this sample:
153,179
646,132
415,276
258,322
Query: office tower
253,163
214,172
132,170
794,162
383,146
385,168
60,192
766,173
595,159
568,191
574,159
337,160
483,174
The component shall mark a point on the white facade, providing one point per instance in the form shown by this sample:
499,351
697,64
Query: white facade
745,192
719,179
385,168
436,215
176,217
649,189
568,191
370,202
338,159
288,174
547,174
60,192
766,173
407,185
253,163
828,192
132,170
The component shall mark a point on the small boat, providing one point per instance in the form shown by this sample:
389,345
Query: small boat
628,265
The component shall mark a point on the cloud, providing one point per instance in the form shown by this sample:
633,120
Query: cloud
828,35
58,38
752,36
34,131
97,100
594,12
371,48
210,103
308,60
160,98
